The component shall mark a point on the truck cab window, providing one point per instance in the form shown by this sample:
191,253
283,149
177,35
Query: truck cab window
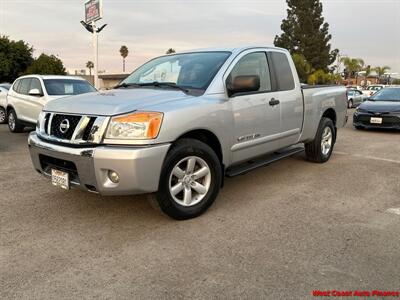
283,72
254,64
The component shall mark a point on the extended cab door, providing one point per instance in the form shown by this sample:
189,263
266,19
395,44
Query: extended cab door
256,116
289,96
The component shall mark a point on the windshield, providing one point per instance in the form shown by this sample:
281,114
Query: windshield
58,87
387,94
187,70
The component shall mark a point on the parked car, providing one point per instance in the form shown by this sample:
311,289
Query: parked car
382,110
372,89
4,87
354,98
29,94
354,87
180,123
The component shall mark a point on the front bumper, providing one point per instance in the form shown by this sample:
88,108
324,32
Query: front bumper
139,168
389,121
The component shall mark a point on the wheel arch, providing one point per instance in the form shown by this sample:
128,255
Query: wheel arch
206,136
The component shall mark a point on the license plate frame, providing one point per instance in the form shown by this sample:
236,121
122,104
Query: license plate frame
60,179
375,120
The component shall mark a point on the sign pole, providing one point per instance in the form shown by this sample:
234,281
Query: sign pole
96,55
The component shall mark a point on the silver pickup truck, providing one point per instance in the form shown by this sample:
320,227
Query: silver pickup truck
181,123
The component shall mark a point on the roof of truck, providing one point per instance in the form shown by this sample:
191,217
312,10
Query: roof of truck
236,49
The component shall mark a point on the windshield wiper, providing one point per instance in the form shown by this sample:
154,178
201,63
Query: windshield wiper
161,84
125,85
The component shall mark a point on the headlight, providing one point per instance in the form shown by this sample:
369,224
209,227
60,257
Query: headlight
137,125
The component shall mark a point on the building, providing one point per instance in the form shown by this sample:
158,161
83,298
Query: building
108,81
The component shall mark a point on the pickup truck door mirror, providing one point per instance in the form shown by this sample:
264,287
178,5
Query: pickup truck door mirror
35,92
243,84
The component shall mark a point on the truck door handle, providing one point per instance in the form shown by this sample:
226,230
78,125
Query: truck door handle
273,102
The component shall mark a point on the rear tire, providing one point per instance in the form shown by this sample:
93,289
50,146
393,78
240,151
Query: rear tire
359,127
3,116
14,124
320,149
190,180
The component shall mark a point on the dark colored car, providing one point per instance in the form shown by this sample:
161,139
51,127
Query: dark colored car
382,110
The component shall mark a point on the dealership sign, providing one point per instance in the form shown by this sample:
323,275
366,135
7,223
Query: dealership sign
93,10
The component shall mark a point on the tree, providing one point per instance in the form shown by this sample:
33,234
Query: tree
15,58
352,65
380,71
46,64
90,66
306,33
322,77
302,66
170,51
124,53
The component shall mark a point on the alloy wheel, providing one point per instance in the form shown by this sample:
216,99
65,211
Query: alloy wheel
326,141
190,181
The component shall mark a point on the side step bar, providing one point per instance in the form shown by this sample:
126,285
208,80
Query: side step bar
262,161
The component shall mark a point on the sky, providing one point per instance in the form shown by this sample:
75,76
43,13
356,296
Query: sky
360,28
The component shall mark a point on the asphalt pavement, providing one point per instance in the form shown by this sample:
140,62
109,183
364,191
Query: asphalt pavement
279,232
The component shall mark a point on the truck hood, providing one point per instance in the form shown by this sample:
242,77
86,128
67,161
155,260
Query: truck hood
114,102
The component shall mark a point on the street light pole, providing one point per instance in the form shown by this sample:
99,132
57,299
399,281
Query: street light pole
95,35
96,55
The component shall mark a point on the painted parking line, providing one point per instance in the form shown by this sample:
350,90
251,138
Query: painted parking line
395,211
368,157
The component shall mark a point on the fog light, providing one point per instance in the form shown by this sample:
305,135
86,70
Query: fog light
114,177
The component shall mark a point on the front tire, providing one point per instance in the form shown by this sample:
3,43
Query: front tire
14,124
3,117
320,149
190,180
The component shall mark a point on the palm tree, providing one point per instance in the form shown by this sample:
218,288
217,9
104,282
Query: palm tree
90,66
353,65
170,51
124,53
381,71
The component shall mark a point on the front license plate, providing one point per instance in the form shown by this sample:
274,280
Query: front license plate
376,120
60,178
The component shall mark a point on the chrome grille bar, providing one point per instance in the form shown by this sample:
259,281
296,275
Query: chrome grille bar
96,131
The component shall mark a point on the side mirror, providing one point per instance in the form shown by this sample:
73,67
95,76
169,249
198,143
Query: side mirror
243,84
35,92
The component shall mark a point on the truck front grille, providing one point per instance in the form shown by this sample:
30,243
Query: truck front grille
72,129
63,126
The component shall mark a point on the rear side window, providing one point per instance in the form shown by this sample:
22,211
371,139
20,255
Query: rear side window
254,64
24,86
16,85
283,72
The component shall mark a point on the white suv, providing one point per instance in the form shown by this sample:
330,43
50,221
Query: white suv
29,94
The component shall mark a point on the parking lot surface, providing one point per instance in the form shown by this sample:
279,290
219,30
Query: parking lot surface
279,232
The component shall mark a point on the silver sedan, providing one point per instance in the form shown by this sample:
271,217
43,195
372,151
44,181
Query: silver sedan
355,98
